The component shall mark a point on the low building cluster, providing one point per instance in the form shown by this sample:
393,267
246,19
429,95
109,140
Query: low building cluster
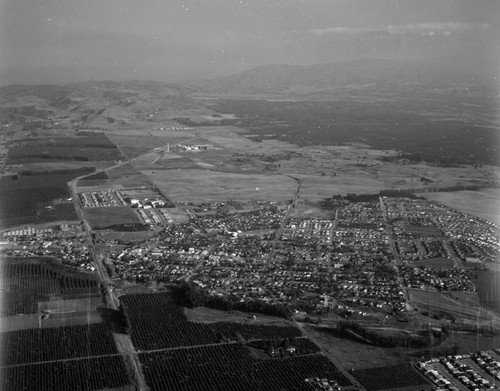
262,219
99,199
477,371
422,229
438,278
351,261
64,242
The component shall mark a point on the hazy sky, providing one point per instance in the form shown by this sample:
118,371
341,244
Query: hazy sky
65,40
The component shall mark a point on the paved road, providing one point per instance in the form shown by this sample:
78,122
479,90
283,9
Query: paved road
339,366
123,342
279,232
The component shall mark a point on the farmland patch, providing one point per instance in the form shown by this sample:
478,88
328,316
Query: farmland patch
101,373
85,147
26,282
401,377
35,199
134,145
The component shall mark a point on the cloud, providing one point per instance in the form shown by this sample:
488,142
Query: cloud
338,30
430,29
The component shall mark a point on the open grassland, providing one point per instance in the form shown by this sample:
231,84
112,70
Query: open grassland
323,170
231,137
484,203
206,186
208,315
356,355
134,145
470,298
410,125
315,188
175,162
127,176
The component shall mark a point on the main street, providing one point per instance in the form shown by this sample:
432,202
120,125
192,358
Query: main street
279,232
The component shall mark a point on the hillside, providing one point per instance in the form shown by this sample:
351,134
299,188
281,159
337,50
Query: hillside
98,104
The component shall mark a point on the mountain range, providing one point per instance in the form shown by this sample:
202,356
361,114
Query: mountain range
355,75
98,102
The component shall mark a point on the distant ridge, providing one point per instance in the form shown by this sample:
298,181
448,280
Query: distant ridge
356,74
91,103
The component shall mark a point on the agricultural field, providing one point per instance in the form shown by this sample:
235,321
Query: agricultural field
127,176
87,374
54,167
156,323
231,367
134,145
35,199
97,179
56,343
84,147
401,377
25,283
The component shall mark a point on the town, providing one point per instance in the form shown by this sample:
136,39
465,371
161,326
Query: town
361,261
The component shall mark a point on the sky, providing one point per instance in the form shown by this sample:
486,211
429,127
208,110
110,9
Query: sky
174,40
